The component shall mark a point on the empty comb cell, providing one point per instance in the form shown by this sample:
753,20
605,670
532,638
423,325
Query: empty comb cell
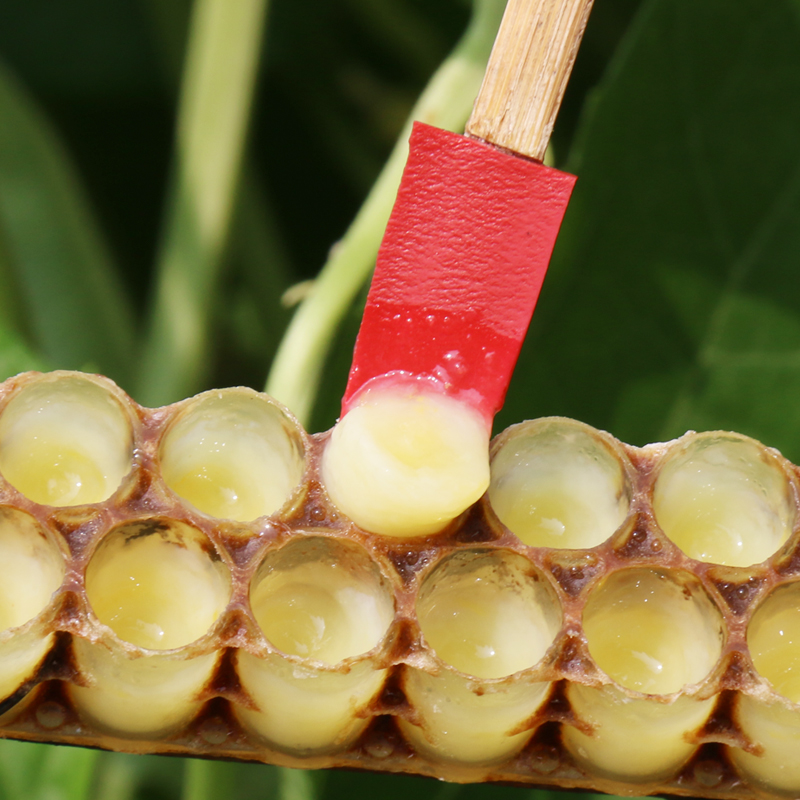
324,605
558,483
66,439
158,585
486,614
724,498
233,454
653,633
31,570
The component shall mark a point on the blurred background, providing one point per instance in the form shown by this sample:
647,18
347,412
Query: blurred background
174,176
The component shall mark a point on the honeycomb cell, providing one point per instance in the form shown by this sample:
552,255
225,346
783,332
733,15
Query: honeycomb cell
488,613
773,638
66,439
321,602
158,584
321,598
558,483
29,701
633,739
655,633
652,631
724,498
138,696
233,454
461,721
771,725
405,462
306,710
31,569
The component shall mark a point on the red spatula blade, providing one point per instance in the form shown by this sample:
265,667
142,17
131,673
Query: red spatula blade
460,268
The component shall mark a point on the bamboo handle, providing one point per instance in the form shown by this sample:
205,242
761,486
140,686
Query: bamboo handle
528,70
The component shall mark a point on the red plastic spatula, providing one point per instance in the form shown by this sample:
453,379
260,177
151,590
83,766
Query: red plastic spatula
460,268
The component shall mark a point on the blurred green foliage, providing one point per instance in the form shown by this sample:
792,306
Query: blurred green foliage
673,300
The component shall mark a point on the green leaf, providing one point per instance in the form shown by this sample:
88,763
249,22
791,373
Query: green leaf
209,780
259,276
347,785
121,776
65,286
16,357
216,97
38,772
673,299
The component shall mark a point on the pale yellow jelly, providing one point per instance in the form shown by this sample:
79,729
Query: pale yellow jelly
633,739
155,591
55,474
406,461
720,499
321,599
65,441
555,485
456,723
233,454
225,490
134,697
773,638
773,726
651,634
31,568
302,620
305,709
485,616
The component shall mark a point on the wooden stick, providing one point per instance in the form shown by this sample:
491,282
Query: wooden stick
527,74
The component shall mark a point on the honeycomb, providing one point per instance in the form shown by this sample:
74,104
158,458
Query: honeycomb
604,617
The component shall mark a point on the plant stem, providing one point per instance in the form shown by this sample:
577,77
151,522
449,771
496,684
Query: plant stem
446,102
216,97
198,783
296,784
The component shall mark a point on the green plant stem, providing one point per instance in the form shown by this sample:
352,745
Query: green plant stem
216,97
115,779
198,783
297,784
446,102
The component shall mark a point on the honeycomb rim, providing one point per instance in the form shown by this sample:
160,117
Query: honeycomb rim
674,449
572,575
176,413
128,409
